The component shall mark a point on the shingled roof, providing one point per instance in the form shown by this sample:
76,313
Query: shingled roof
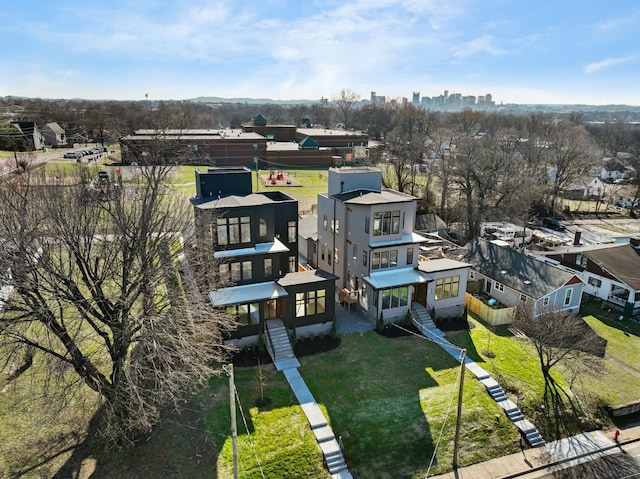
515,270
623,262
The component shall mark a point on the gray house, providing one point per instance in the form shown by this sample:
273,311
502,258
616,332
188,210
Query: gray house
54,135
502,278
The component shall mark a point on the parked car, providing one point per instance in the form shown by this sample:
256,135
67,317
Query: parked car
554,224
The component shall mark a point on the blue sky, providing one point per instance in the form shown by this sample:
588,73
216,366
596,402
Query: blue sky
521,51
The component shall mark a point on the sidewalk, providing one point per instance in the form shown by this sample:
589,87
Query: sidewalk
538,462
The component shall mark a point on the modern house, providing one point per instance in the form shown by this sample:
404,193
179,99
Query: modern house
609,272
308,240
366,238
251,240
501,279
54,135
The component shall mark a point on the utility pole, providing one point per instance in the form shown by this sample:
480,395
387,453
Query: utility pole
456,439
234,430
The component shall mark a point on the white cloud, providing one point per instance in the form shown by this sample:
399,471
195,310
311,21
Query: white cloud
609,62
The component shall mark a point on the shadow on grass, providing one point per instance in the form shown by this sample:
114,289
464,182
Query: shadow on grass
610,318
179,446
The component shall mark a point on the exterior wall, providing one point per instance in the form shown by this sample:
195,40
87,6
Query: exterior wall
291,320
556,300
447,307
325,236
349,179
300,157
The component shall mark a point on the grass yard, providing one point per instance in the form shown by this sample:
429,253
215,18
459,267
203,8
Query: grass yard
388,399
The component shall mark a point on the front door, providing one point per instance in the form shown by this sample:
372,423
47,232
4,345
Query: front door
420,292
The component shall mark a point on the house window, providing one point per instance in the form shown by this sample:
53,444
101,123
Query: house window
236,272
365,259
409,255
336,253
567,296
545,301
594,282
329,256
263,228
366,224
393,258
395,297
499,286
239,271
377,224
292,264
447,287
335,226
245,314
523,298
355,252
322,251
472,275
310,303
291,229
233,230
384,259
375,260
268,267
395,222
325,222
246,270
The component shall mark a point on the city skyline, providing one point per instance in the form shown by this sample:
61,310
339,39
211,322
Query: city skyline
551,52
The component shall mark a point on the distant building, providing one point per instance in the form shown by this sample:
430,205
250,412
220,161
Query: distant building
54,135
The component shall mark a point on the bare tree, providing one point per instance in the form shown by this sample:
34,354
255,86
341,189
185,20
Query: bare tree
566,340
98,290
345,101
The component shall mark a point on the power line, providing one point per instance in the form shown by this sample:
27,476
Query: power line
246,427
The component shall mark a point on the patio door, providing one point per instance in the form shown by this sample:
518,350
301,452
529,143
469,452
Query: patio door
487,286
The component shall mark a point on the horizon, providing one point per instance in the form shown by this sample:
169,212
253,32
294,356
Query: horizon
553,53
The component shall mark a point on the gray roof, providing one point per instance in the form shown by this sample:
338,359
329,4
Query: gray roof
441,264
232,201
308,226
429,221
622,262
304,277
511,268
368,197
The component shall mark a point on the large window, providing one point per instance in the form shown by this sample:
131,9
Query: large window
292,264
447,287
395,297
365,259
386,223
384,259
263,228
310,303
366,224
245,314
594,282
238,271
291,230
233,230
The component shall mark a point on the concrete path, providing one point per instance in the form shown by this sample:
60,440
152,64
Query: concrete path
422,320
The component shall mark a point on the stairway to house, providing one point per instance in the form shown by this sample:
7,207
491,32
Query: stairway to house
421,319
279,345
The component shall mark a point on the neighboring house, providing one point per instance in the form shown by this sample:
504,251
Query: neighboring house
609,272
595,188
76,139
54,135
253,243
366,238
503,276
429,223
30,133
614,170
308,240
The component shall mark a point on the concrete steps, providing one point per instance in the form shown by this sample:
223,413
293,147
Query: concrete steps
279,345
422,319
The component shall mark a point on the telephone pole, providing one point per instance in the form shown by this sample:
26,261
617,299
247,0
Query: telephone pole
234,429
463,357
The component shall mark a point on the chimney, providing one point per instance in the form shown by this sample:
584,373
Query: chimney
576,238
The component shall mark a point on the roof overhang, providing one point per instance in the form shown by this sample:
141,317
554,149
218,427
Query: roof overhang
396,277
260,248
248,293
